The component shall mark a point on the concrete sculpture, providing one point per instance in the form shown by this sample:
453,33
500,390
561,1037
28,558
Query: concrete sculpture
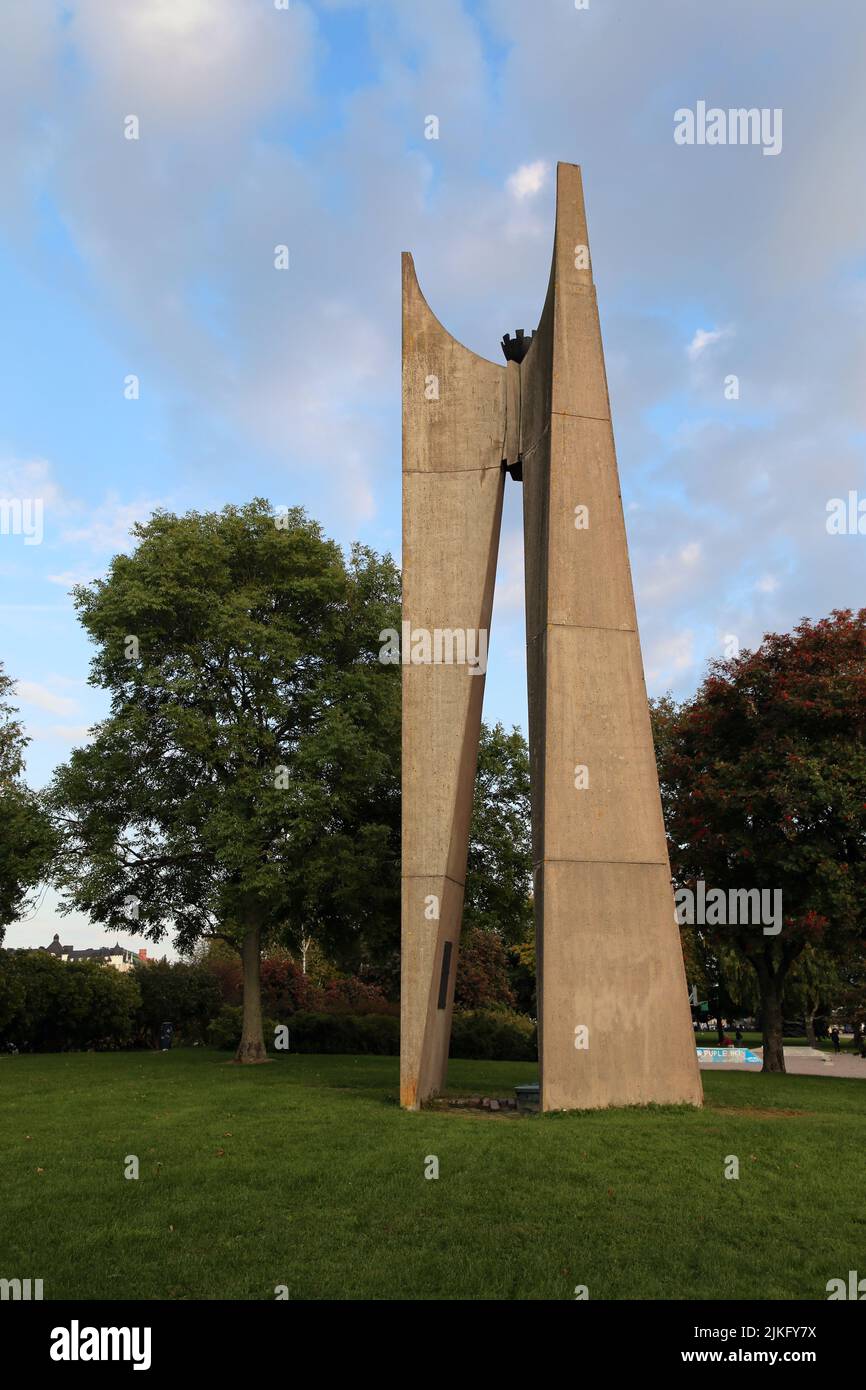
614,1023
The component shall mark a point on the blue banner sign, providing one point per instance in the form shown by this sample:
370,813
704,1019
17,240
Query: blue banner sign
727,1054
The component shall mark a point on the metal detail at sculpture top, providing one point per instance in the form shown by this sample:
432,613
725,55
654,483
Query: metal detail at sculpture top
516,348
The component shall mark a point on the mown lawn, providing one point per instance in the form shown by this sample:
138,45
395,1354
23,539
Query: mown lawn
306,1173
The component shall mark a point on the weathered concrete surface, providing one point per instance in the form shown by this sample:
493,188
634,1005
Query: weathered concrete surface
609,954
454,416
609,957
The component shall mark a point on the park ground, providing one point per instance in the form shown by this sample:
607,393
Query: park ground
305,1173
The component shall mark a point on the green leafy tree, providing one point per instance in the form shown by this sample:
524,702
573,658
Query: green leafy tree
523,974
497,905
815,985
246,781
763,777
849,1002
498,893
27,843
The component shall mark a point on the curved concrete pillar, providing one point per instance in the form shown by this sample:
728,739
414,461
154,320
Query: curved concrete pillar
453,436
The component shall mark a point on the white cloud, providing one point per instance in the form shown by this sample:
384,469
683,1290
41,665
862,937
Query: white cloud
69,734
108,526
35,694
672,576
56,679
668,658
210,63
528,180
767,584
32,478
67,579
103,527
704,338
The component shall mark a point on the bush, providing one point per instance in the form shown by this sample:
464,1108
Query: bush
57,1006
351,995
494,1035
12,998
172,991
229,978
377,1034
286,989
101,1006
482,972
224,1031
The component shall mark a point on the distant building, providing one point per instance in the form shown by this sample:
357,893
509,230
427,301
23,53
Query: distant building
117,956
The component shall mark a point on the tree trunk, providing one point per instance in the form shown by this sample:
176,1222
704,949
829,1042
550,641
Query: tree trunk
774,1032
251,1047
810,1028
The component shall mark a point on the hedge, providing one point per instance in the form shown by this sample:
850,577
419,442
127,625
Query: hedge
483,1035
495,1035
47,1005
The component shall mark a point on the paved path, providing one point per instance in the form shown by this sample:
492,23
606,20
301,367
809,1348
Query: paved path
803,1061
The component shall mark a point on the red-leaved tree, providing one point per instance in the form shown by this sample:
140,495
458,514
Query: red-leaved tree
764,787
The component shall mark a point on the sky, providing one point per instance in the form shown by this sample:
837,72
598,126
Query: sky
731,283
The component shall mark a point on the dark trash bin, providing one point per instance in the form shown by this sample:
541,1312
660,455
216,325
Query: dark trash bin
528,1099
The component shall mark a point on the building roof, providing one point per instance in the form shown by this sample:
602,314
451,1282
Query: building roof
56,948
90,952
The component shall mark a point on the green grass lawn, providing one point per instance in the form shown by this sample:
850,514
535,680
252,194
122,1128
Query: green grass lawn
306,1173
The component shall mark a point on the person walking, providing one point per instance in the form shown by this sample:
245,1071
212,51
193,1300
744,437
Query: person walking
834,1035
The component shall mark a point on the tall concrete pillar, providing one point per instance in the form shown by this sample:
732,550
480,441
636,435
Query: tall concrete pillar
614,1023
453,437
